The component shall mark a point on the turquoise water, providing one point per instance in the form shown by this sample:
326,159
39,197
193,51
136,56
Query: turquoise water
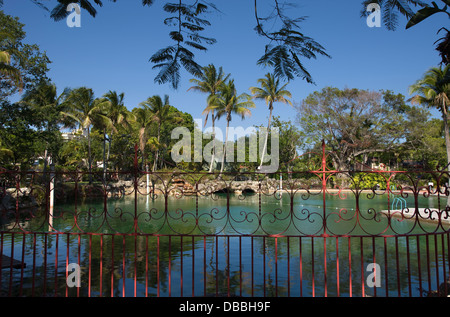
249,214
196,246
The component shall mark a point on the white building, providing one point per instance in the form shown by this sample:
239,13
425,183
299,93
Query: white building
74,134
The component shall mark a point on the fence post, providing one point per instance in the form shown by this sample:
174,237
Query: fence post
51,193
148,180
136,185
281,181
324,188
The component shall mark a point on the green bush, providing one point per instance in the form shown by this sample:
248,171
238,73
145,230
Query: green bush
370,181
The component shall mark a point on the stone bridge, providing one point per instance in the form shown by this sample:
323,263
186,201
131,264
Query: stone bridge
184,187
221,186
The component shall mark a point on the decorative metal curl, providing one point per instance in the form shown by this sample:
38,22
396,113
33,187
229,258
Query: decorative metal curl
296,203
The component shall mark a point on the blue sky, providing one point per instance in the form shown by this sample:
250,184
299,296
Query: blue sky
111,52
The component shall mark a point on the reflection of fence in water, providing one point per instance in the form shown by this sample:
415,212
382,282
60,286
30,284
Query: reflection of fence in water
148,265
186,234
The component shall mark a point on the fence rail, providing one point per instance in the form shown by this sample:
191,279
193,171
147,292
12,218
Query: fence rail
312,233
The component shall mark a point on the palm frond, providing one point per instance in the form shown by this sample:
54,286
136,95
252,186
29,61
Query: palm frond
6,152
391,9
433,89
196,46
59,12
11,72
284,58
287,44
228,102
187,60
169,73
271,91
147,2
278,57
186,17
36,2
425,13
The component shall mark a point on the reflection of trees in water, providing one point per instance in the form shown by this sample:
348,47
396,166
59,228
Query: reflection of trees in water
120,261
232,265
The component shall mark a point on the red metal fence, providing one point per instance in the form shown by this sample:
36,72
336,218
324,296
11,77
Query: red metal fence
316,233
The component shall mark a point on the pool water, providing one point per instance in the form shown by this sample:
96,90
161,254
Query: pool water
226,245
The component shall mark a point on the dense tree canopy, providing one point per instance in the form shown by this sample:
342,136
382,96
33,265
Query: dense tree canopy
22,65
352,122
356,124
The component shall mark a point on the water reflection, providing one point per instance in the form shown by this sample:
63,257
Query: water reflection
195,246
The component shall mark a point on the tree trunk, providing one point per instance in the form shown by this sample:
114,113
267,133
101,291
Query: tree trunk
157,150
89,155
341,164
447,137
224,148
447,142
104,154
46,154
45,161
213,139
267,136
108,155
142,145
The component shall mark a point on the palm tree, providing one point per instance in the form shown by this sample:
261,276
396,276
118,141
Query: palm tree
433,90
5,152
226,103
45,100
86,110
6,69
9,71
118,113
143,119
209,82
161,111
271,92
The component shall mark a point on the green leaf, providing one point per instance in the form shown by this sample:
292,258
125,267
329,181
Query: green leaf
195,45
169,60
163,55
421,15
176,36
147,2
192,27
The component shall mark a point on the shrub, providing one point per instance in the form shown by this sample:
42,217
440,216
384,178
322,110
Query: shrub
370,180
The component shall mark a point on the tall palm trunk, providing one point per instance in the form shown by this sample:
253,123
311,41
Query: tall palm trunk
104,154
446,134
224,147
89,155
142,145
157,150
46,155
213,139
44,171
108,154
267,135
447,141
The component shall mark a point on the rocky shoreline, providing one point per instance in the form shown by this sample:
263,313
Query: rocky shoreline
25,197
